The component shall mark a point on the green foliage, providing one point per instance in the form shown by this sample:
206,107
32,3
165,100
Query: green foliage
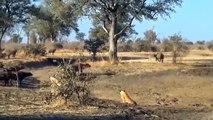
150,36
98,32
141,45
15,39
94,46
35,50
116,17
80,36
53,19
13,12
166,45
125,46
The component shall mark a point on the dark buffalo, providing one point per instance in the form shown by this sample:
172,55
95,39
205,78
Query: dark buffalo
7,77
159,57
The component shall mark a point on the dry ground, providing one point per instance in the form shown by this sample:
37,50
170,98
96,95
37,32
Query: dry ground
180,92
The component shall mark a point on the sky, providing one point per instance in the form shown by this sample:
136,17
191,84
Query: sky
193,20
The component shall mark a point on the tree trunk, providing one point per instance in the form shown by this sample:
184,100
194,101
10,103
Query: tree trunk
174,57
94,56
113,42
2,34
28,37
1,40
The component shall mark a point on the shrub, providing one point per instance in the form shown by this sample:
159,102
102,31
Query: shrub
93,46
179,47
125,46
50,45
141,45
35,49
75,46
201,47
58,45
12,46
210,45
70,85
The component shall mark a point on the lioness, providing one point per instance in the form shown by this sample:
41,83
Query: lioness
126,98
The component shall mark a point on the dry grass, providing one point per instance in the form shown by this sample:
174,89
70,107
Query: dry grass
148,82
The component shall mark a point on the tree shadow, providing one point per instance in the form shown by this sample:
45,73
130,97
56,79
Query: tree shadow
64,117
28,83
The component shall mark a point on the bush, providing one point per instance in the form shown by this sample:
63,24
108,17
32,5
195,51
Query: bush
50,45
125,46
12,46
75,46
94,46
58,45
35,49
141,45
179,47
201,47
70,85
210,46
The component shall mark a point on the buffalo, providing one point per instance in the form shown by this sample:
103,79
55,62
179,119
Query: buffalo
7,53
80,67
7,77
159,57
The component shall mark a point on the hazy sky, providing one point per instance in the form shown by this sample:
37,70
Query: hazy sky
194,21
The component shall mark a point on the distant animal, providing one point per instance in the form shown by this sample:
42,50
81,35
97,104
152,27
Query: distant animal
7,53
4,76
126,98
159,57
51,51
80,67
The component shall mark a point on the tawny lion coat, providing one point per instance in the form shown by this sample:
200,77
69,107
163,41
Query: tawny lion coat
126,98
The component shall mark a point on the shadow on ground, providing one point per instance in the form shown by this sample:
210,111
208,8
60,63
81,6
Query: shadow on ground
64,117
30,83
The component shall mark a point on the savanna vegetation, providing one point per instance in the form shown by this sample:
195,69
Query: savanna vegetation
82,78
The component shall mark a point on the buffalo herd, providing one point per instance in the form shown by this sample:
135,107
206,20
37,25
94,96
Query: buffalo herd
13,71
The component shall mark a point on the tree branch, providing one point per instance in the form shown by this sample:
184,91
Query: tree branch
124,29
103,26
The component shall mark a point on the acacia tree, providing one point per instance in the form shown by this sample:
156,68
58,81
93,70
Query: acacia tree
12,12
150,36
179,47
54,18
93,45
176,45
111,13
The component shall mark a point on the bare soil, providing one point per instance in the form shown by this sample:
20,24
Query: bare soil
163,91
